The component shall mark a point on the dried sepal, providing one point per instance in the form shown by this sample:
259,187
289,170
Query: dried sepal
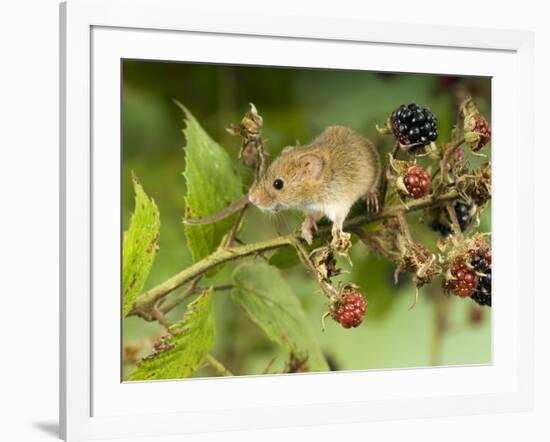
325,264
253,150
416,259
477,184
386,129
341,243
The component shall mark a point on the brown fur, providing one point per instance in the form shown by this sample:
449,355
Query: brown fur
339,165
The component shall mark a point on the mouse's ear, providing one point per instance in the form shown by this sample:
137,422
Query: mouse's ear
312,165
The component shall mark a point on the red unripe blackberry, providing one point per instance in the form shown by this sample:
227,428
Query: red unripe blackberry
350,312
415,125
417,182
465,280
483,129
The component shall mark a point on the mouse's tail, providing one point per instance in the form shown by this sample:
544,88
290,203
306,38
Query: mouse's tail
229,210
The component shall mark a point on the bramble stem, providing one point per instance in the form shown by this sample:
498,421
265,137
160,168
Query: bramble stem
160,318
217,257
182,297
444,164
455,225
223,255
217,365
404,226
386,175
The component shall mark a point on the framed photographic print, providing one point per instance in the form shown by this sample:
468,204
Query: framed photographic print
261,214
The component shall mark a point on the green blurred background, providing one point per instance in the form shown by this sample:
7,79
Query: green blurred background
297,104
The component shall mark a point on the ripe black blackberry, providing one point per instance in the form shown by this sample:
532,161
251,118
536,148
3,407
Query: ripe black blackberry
463,212
482,295
480,263
414,125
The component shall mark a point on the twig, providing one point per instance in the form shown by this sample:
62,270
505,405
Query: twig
217,365
182,297
216,288
160,318
230,237
223,255
455,225
404,227
444,163
304,256
386,176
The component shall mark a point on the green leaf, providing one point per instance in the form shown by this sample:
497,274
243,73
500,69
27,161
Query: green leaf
284,258
269,301
140,246
212,185
180,353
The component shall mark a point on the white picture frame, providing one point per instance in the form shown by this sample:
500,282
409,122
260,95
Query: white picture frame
95,35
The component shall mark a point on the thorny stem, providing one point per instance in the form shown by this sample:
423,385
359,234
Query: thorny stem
230,238
404,227
455,225
160,318
325,285
218,257
223,255
304,256
444,164
386,176
182,297
217,365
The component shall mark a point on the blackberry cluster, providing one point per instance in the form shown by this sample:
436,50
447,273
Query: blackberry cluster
482,294
350,312
414,125
417,182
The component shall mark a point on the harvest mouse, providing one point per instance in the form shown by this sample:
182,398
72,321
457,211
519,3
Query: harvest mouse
324,178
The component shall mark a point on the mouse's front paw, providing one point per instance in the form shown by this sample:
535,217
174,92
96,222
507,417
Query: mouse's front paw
307,233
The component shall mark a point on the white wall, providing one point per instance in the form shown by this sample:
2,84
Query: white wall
28,218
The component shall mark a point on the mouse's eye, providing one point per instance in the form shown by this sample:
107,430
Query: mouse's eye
278,184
